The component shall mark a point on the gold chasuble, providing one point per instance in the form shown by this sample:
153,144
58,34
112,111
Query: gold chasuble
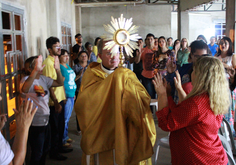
115,117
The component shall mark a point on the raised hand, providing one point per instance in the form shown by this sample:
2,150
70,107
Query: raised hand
3,120
231,72
160,86
39,63
25,115
171,65
56,63
177,80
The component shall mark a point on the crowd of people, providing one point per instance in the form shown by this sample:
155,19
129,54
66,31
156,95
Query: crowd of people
193,83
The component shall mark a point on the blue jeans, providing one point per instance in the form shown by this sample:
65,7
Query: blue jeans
147,83
68,110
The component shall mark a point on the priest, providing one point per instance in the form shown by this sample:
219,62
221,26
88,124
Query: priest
113,110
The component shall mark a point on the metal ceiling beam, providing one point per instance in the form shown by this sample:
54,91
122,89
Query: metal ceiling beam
133,3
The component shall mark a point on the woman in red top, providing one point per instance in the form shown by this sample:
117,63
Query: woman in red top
194,122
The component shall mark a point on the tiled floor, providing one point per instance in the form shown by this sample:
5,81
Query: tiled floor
74,158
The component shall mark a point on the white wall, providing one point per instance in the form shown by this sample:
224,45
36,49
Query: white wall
174,25
198,23
38,25
151,19
204,23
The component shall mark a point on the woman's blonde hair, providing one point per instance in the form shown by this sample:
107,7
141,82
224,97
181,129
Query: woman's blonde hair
210,77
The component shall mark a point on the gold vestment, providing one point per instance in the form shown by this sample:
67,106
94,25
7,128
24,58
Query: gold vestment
114,113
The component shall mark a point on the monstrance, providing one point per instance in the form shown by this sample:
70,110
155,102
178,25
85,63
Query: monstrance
122,36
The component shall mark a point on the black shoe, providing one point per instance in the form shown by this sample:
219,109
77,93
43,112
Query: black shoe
65,150
57,157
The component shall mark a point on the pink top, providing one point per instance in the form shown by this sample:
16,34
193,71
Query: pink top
194,131
147,59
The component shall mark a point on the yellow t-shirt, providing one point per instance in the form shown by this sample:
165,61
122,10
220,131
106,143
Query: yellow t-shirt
95,51
49,71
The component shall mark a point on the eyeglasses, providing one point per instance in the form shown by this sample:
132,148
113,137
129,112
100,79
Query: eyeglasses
197,56
108,54
58,47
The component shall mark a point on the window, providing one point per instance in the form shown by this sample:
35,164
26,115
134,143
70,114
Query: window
220,29
66,37
12,51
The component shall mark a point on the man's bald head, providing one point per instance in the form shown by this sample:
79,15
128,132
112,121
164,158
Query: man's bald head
105,55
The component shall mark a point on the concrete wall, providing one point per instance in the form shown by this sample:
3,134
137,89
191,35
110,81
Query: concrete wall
174,25
151,19
43,19
196,23
67,15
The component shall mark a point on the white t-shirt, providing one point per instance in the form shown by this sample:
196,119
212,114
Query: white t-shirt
39,93
6,154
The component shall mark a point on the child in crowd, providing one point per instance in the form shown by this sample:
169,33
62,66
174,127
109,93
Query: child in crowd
36,87
70,88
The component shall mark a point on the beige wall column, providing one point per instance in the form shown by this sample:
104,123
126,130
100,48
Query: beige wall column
54,18
230,20
78,19
179,20
183,23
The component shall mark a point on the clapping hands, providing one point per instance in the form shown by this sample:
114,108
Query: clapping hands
171,65
159,84
177,80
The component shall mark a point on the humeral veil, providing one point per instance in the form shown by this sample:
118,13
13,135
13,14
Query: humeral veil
114,115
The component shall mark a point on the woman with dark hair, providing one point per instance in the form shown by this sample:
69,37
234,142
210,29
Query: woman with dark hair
161,57
170,43
35,86
226,56
79,70
202,37
70,88
176,47
91,55
95,49
226,53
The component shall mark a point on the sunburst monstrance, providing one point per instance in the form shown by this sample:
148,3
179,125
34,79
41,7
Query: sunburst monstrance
121,36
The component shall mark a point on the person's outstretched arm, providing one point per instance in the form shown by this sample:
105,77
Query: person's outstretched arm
24,118
37,68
